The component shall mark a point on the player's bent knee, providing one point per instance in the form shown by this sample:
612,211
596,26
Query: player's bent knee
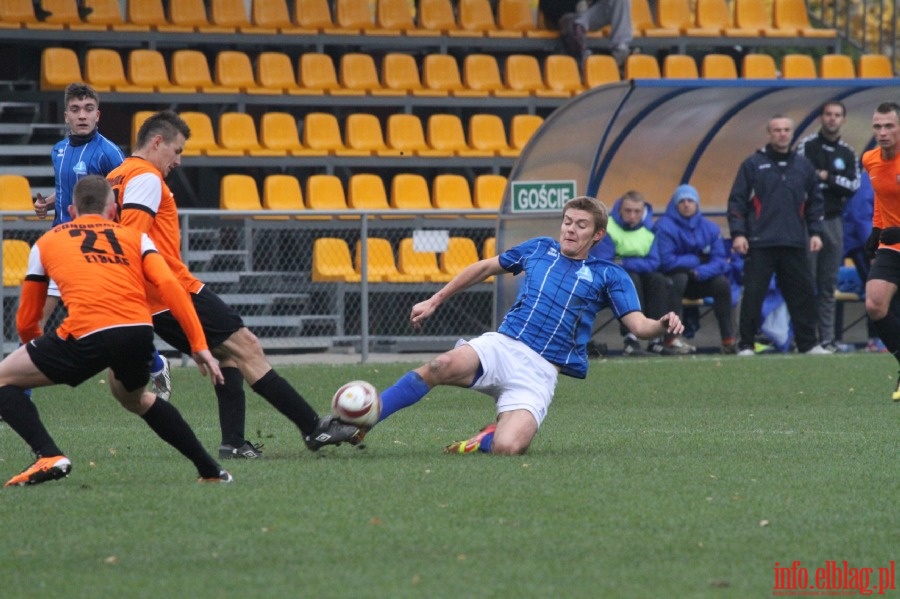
508,447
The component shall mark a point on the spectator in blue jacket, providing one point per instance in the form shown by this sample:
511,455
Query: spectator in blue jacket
692,254
630,242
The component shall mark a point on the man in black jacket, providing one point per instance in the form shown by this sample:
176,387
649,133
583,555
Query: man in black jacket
775,216
838,173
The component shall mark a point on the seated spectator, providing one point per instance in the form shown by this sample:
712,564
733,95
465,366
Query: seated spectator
629,241
574,18
692,254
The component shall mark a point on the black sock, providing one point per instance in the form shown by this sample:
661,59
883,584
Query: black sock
232,407
22,416
166,421
286,400
888,329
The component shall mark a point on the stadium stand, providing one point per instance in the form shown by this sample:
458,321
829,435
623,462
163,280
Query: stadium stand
104,71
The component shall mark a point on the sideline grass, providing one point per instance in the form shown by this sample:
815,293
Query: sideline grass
652,478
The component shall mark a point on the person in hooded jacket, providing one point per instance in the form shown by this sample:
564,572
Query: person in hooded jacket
693,255
630,242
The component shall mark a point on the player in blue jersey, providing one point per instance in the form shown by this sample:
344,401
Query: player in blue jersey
544,333
84,151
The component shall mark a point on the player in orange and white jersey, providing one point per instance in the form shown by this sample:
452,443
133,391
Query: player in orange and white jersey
147,204
883,166
102,270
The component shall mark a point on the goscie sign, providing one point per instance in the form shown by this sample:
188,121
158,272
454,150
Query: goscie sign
541,196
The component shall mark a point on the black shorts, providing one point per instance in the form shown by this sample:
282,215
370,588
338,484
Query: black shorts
127,350
219,321
886,267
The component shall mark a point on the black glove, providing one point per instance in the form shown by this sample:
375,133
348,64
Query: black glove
890,236
872,243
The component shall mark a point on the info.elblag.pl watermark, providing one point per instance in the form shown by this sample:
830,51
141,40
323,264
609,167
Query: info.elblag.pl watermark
832,580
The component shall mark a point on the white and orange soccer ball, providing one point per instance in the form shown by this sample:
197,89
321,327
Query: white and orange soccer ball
357,402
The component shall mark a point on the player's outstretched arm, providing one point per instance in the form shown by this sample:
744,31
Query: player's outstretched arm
208,365
648,328
470,275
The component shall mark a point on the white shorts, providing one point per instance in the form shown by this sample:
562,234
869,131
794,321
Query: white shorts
52,289
514,374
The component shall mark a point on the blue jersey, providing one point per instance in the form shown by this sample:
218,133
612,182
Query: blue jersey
73,160
556,305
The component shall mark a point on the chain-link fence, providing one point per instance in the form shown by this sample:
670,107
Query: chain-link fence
300,284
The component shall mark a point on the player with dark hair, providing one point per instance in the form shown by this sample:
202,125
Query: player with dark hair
883,166
96,261
85,151
544,333
147,204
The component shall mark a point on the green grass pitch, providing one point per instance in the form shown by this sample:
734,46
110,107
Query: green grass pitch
652,478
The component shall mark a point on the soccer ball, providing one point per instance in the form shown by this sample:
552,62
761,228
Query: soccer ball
357,402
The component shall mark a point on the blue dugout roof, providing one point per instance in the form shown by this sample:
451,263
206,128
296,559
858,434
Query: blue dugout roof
652,135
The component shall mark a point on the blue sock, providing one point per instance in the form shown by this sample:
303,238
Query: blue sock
408,389
157,365
486,442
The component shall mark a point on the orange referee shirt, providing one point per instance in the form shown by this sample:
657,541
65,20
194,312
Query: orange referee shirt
147,204
885,176
101,268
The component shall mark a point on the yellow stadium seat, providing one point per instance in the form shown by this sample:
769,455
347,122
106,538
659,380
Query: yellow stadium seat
753,14
798,66
233,14
758,66
239,192
16,14
600,69
151,14
715,15
399,72
321,132
317,72
522,127
482,74
365,191
791,15
275,72
237,131
190,69
282,192
718,66
395,15
518,16
137,119
192,13
486,132
331,261
316,15
644,24
461,252
422,265
875,66
445,133
203,140
489,247
234,70
489,190
642,66
440,72
679,66
676,14
63,13
522,72
278,131
15,261
358,72
273,15
409,191
451,192
561,74
59,68
363,132
326,192
354,15
104,72
476,16
380,262
109,14
147,68
15,195
837,66
405,133
437,15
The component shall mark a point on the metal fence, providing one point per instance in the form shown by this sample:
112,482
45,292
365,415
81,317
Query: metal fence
286,274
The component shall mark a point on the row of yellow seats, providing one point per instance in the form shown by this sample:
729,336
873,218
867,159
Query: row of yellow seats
713,18
365,191
514,18
316,74
331,261
363,135
758,66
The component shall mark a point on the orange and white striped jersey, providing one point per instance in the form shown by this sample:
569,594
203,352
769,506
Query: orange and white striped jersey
147,204
102,269
885,177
